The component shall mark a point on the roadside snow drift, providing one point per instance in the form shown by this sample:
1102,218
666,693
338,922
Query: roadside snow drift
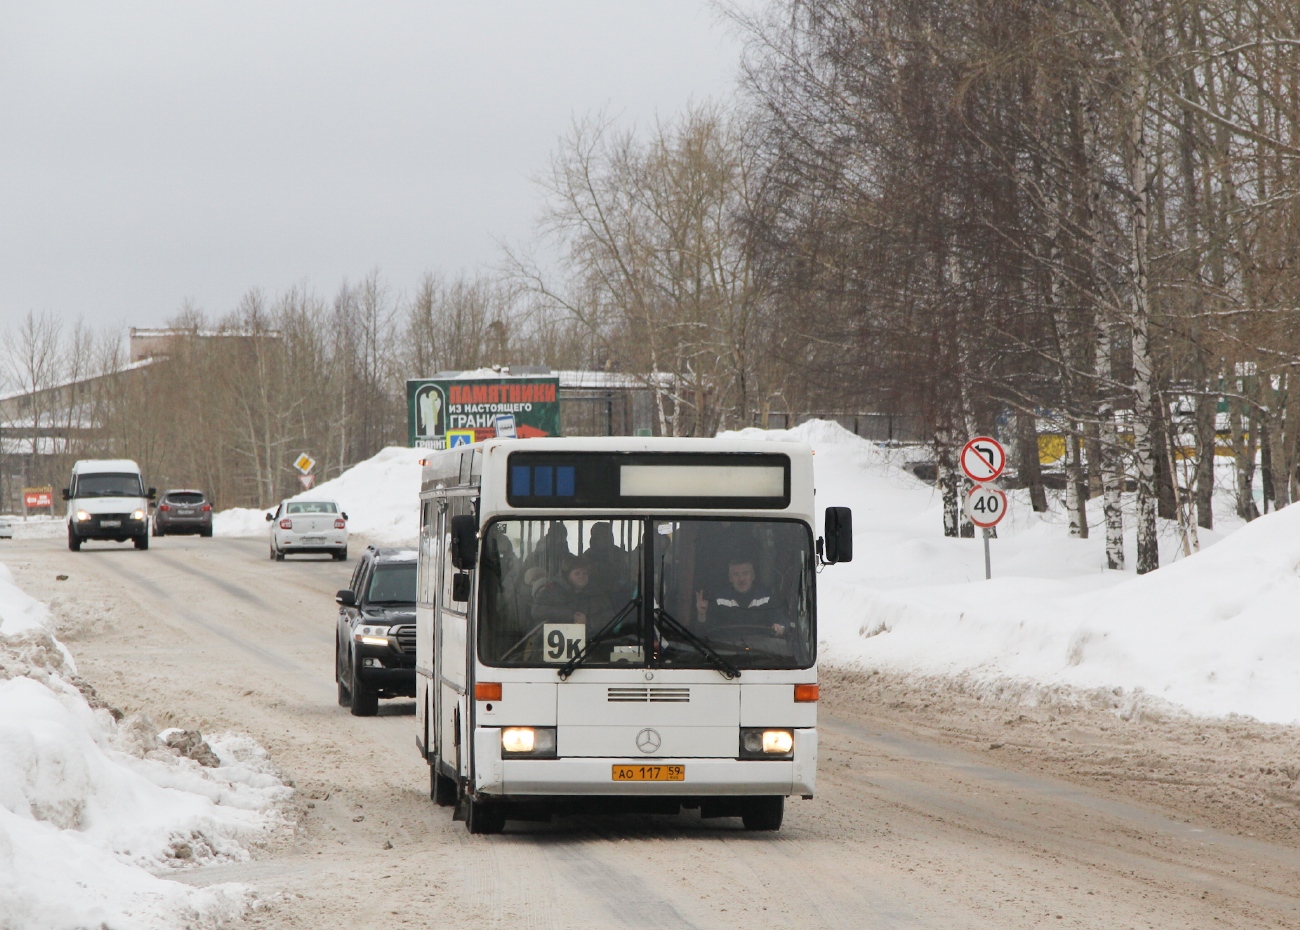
94,810
1215,633
381,497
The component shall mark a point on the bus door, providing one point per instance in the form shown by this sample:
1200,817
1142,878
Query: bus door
450,650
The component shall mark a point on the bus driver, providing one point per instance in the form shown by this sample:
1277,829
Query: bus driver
745,604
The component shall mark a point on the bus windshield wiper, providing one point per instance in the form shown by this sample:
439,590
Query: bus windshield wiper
713,657
602,634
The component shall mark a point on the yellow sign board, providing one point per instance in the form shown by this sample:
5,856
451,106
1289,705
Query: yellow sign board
304,463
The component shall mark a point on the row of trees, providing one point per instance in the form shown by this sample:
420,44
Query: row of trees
985,214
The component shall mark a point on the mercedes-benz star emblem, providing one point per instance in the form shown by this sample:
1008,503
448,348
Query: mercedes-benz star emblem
648,741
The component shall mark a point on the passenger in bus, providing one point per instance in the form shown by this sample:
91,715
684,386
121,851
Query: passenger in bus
552,550
571,597
743,603
609,563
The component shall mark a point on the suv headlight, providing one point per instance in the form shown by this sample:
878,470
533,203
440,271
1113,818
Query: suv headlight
373,635
533,742
760,743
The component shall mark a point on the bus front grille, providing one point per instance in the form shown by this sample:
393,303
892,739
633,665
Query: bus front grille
649,695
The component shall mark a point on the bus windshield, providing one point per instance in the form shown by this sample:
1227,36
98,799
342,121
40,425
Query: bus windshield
708,593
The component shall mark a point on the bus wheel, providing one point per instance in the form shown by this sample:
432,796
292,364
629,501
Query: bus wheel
481,817
442,790
763,813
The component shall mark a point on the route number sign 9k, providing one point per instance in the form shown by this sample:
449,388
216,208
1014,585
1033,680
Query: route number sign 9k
986,506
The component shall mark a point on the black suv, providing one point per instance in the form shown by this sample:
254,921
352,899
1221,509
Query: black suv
374,653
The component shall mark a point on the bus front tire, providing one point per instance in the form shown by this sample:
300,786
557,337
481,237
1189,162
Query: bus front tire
763,813
442,790
483,817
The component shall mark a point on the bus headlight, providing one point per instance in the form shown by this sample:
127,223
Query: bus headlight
534,742
758,743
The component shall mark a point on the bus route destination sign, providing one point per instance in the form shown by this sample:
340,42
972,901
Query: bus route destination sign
441,413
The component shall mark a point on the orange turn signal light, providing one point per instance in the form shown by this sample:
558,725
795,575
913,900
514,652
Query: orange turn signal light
806,694
487,691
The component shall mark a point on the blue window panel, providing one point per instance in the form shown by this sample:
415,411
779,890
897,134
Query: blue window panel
543,480
521,478
564,481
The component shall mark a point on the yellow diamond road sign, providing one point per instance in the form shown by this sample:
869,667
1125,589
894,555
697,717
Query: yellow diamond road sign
305,463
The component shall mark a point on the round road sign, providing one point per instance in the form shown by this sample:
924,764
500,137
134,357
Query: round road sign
985,506
983,458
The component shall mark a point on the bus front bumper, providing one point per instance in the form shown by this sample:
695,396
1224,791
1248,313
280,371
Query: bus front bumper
707,777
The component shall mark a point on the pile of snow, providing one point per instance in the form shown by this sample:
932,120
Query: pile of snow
1214,633
381,497
95,810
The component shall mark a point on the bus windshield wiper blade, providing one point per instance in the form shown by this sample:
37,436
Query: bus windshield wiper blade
567,668
714,658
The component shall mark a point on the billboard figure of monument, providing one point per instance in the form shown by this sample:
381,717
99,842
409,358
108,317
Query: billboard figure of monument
429,405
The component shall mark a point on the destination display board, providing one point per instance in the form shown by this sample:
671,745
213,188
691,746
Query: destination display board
732,480
442,413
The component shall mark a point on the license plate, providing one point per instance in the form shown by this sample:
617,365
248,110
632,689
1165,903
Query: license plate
110,522
185,513
649,773
313,539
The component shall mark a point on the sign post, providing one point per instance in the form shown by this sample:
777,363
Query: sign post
983,459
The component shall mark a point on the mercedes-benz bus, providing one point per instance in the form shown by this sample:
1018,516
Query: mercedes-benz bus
620,624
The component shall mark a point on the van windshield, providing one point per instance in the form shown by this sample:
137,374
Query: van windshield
731,594
108,484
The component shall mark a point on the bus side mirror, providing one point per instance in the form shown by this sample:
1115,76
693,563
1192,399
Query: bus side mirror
67,494
839,535
460,586
464,542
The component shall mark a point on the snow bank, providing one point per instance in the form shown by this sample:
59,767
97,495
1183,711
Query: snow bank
1214,633
94,810
380,496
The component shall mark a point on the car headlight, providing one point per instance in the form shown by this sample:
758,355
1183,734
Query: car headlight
137,515
759,743
535,742
82,516
372,635
373,630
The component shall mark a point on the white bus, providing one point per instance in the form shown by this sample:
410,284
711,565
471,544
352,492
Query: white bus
620,624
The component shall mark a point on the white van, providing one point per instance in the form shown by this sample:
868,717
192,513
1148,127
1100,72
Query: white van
107,500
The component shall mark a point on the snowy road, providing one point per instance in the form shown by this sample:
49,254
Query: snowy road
904,832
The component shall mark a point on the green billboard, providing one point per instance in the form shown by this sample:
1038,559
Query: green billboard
441,413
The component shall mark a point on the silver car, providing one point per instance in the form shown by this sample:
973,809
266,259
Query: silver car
308,526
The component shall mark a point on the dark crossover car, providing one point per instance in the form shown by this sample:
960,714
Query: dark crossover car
182,511
374,655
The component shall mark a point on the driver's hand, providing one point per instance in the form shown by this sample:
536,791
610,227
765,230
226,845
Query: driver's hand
778,629
701,604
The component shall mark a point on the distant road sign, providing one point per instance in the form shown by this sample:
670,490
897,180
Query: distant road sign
307,481
304,463
983,458
459,437
986,505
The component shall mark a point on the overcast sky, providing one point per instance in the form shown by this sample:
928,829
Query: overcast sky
152,153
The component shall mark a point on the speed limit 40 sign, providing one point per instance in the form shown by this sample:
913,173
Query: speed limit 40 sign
985,506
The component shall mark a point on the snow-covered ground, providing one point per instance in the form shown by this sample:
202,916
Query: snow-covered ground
1213,633
95,811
